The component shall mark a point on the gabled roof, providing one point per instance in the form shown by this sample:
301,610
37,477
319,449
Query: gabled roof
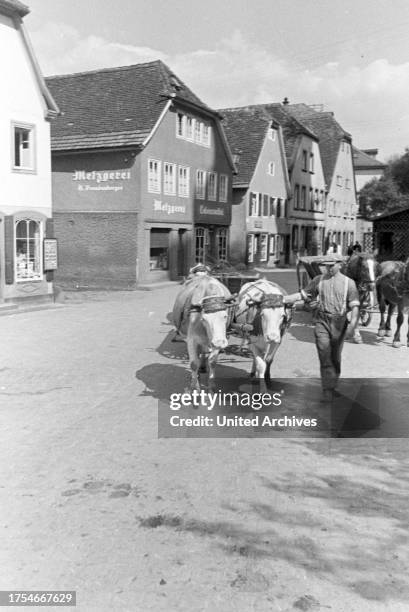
115,106
329,132
246,129
13,7
363,161
292,128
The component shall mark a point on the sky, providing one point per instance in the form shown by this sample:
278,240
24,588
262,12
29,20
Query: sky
351,56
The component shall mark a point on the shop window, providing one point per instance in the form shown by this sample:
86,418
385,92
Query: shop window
28,250
200,184
183,182
154,175
159,249
212,186
263,247
169,178
223,185
222,244
23,154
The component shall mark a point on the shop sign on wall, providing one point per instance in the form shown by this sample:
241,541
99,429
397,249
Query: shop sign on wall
205,210
169,209
50,254
101,180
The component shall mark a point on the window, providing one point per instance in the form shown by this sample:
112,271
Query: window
303,198
198,131
223,185
180,125
159,249
271,168
296,196
294,237
184,175
278,209
311,198
189,127
206,135
347,183
212,186
222,244
201,243
250,247
28,264
23,155
200,184
169,178
285,215
265,205
312,163
272,134
305,160
260,205
253,204
339,180
154,172
272,207
263,247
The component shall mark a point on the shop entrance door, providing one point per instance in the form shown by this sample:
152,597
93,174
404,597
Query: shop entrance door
181,253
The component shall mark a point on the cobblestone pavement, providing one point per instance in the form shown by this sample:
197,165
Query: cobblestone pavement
92,500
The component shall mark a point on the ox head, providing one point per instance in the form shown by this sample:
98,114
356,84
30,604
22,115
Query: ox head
215,316
272,315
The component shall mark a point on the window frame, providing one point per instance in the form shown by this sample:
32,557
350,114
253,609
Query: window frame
212,194
171,191
223,193
40,275
159,177
184,193
31,129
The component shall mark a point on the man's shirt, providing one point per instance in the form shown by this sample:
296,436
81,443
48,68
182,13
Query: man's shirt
336,294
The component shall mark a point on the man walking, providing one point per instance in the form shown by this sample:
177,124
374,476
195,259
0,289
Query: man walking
336,294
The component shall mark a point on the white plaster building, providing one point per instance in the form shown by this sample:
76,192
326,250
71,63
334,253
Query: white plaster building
26,107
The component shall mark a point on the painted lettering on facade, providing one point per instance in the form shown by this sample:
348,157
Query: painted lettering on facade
102,176
205,210
169,209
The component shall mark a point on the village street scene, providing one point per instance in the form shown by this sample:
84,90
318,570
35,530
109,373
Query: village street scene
191,208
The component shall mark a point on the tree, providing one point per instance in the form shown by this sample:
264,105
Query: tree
399,171
381,195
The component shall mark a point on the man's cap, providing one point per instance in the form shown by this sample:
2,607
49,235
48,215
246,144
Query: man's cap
331,261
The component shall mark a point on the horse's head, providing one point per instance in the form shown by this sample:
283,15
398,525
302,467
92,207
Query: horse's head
362,268
214,305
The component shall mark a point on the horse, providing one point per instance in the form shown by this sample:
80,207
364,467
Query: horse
201,316
263,318
363,269
392,287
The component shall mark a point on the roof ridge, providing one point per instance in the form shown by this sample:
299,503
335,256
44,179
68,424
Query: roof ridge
103,70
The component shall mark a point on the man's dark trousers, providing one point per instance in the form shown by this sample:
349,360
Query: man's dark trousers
329,338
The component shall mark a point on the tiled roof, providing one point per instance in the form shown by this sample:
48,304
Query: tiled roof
292,128
363,161
246,130
114,106
329,132
14,6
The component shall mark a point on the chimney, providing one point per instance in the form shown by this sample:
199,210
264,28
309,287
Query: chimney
286,101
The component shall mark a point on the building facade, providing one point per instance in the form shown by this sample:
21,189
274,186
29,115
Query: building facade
142,177
27,249
336,153
259,231
366,168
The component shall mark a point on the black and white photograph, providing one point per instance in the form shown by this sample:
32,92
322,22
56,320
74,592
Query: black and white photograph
204,302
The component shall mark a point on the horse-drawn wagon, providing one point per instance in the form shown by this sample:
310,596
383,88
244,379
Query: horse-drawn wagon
362,273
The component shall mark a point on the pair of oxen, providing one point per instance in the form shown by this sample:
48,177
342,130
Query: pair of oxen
205,310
